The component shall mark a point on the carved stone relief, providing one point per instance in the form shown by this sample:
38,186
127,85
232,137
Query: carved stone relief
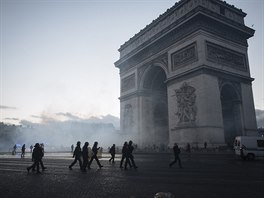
184,56
128,83
186,108
222,55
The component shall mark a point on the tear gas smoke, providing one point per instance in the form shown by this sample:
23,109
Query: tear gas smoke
58,135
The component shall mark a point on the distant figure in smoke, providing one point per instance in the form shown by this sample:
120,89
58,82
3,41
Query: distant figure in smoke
23,150
31,147
176,151
205,145
125,155
130,155
72,147
36,156
77,155
94,156
112,152
188,148
85,155
14,149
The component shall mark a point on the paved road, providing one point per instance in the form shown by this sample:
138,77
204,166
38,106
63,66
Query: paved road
203,175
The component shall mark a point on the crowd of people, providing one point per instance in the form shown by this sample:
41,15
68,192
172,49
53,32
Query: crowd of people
85,158
82,155
37,155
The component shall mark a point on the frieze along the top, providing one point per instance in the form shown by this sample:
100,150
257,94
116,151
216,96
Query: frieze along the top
176,12
199,22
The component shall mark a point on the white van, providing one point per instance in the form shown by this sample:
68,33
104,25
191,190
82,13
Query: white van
249,147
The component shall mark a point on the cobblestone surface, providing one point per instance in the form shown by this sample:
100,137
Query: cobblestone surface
203,175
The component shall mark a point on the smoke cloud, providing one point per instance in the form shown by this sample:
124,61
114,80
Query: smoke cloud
60,135
260,118
6,107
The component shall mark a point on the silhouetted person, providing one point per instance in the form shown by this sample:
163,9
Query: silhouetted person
112,152
31,147
125,155
72,147
188,148
23,150
14,149
36,156
205,145
130,155
94,156
176,151
85,155
41,161
77,155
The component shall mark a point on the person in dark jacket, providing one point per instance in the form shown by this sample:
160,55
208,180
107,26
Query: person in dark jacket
94,156
125,155
176,151
23,151
77,155
112,152
130,155
85,155
40,161
36,156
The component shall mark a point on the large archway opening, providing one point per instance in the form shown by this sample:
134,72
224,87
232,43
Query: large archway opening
154,84
231,114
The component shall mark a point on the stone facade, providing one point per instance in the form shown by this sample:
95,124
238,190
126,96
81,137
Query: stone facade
185,77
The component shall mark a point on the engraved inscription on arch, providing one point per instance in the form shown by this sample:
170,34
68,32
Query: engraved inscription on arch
128,83
184,56
225,56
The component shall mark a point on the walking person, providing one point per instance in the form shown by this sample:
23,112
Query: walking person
72,147
176,151
31,147
85,155
125,155
41,161
14,149
36,157
23,150
77,155
130,155
112,152
205,145
94,156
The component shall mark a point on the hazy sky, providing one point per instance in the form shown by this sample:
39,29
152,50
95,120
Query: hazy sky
58,55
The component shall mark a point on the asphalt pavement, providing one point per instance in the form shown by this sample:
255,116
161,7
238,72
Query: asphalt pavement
204,174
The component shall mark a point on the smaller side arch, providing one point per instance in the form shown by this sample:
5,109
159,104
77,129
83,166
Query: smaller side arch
149,72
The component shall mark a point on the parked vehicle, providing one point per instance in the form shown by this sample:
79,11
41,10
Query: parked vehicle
249,147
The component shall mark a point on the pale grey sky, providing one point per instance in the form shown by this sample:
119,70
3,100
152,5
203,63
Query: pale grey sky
58,55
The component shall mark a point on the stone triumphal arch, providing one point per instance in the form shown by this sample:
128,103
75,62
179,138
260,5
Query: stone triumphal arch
185,77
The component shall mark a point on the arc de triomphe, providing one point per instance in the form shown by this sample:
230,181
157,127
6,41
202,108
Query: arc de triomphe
185,77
